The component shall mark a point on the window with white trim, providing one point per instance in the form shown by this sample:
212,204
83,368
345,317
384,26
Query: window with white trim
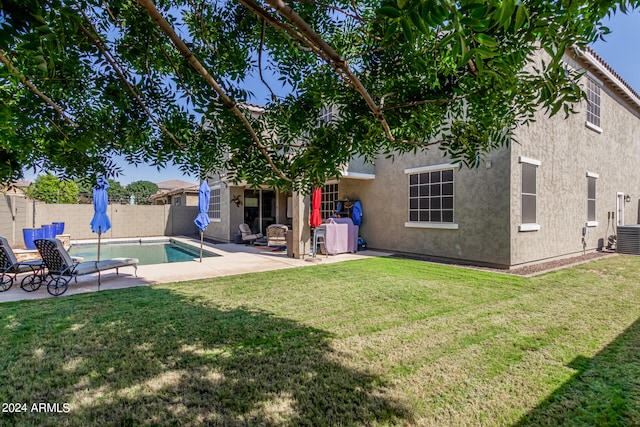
431,196
591,199
214,204
529,194
329,199
593,102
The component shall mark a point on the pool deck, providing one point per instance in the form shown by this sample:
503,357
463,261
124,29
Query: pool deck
235,259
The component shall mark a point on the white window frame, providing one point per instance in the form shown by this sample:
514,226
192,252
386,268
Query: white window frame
330,197
594,104
524,226
215,204
594,176
431,224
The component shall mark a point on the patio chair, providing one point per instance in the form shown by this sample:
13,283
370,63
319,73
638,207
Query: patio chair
10,268
61,268
277,235
247,235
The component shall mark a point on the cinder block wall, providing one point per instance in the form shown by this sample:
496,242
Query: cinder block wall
15,214
126,220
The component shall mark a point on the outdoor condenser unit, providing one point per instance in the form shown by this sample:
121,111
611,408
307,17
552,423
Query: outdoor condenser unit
628,239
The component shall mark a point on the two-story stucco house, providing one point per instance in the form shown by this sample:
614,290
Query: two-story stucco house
561,190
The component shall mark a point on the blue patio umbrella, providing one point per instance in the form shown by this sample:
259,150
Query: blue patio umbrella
100,222
202,220
356,213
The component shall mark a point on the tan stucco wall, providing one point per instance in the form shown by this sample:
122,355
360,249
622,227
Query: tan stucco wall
568,150
481,209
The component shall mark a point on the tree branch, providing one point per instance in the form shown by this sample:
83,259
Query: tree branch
25,81
339,64
111,60
273,95
200,69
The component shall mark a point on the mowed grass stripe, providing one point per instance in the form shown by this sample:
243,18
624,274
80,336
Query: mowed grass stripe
369,342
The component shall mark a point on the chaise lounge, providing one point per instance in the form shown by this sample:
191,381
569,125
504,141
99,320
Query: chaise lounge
10,268
61,268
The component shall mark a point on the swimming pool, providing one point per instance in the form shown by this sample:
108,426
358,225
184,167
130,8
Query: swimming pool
154,252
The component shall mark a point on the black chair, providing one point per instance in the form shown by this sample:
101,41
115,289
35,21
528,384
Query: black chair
61,267
10,268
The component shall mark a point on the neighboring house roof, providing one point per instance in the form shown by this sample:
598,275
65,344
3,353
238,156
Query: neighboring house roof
172,185
17,187
184,189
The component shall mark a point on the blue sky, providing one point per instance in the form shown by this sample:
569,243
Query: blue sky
619,50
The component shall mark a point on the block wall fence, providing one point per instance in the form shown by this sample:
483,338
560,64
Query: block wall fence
18,212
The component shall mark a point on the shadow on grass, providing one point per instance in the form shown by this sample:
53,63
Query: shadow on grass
150,356
604,392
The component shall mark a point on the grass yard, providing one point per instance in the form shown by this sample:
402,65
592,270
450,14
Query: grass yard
370,342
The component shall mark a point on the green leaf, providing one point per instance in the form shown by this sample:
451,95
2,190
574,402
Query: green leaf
486,40
418,22
521,16
389,12
407,30
403,4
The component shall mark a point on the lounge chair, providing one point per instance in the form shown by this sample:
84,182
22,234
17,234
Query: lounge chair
61,268
10,268
247,235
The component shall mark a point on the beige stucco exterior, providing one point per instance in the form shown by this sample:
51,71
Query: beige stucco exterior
487,226
488,198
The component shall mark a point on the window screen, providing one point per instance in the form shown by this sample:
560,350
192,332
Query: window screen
529,193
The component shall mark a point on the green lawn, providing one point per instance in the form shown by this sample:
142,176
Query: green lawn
370,342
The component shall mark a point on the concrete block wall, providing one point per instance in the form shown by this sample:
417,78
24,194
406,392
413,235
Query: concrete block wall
126,220
15,214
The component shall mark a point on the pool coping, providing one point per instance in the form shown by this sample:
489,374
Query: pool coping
160,240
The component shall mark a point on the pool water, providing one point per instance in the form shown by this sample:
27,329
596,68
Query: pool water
147,252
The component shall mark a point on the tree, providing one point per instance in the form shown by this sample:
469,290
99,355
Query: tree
88,79
142,190
50,189
116,192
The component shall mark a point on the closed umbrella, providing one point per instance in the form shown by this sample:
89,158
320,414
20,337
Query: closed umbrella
316,200
202,220
356,213
100,222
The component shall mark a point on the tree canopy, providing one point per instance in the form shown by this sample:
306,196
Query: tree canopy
142,190
50,189
173,81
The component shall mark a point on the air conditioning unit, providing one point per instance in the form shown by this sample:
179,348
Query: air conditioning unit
628,239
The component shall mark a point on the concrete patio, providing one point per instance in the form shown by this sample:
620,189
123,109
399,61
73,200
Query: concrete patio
235,259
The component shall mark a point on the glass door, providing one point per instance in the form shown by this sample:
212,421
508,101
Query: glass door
259,209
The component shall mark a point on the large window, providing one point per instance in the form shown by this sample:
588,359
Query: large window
529,195
593,104
214,204
431,195
591,199
329,199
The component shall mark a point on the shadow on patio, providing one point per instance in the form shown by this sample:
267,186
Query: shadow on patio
604,392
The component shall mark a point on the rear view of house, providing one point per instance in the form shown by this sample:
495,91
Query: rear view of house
562,189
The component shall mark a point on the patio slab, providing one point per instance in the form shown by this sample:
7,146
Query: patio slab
235,259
